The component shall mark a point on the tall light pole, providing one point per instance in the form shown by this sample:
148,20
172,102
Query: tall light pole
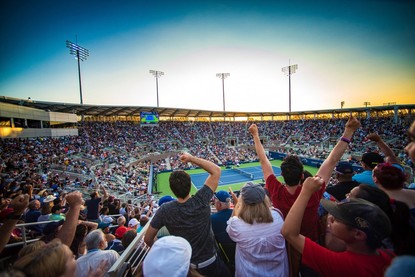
223,76
366,104
288,70
81,54
157,74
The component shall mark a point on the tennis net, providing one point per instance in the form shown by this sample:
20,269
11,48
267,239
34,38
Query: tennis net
246,174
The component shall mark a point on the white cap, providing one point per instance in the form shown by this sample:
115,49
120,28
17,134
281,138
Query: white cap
133,222
168,257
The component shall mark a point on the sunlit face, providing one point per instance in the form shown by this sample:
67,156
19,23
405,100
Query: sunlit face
70,266
410,148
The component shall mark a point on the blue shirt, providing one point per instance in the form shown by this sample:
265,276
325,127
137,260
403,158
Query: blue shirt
365,178
219,224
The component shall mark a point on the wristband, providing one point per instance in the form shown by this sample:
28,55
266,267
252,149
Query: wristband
346,140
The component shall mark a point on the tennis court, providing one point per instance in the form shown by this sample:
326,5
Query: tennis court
234,175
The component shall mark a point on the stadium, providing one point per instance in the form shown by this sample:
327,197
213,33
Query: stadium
207,138
131,151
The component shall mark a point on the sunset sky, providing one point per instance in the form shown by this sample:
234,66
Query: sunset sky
352,51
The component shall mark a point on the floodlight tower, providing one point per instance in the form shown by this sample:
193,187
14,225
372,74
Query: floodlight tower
366,104
157,74
223,76
288,70
81,54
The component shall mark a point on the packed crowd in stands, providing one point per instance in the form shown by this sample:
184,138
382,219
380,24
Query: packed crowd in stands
91,193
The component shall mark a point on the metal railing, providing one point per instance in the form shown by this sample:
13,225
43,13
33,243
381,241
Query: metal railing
132,257
25,239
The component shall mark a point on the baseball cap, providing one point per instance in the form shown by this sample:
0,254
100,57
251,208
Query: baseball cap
344,168
133,222
372,159
360,214
222,196
252,193
165,199
51,227
103,225
168,257
119,233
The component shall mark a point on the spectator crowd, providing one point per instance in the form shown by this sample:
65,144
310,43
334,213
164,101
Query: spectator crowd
85,199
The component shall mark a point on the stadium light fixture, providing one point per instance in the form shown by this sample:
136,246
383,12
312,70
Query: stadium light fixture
366,104
288,70
80,54
157,74
223,76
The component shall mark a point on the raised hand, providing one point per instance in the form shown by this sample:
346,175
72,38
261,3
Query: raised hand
374,137
185,158
253,129
353,123
20,203
74,198
313,184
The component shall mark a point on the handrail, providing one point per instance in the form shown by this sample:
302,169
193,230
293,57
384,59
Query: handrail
24,235
127,259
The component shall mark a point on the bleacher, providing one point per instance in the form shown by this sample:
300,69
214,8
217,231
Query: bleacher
110,159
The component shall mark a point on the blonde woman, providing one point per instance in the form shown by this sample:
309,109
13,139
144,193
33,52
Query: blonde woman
256,229
53,259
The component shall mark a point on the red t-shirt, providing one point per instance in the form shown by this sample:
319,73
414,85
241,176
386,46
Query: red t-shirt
329,263
283,200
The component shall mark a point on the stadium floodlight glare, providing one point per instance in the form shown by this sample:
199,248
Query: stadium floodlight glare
81,54
157,74
288,70
223,76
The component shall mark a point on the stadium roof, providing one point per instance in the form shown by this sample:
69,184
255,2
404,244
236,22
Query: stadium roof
107,110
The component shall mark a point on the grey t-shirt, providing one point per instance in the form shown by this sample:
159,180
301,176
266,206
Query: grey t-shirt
190,220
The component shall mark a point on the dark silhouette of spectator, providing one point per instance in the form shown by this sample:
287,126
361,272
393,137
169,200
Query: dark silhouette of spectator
219,224
344,173
92,204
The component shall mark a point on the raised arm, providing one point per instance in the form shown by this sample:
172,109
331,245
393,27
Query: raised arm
263,159
212,180
335,155
19,205
384,148
67,233
292,225
104,192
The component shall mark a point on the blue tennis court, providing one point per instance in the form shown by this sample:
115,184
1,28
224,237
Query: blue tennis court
232,176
